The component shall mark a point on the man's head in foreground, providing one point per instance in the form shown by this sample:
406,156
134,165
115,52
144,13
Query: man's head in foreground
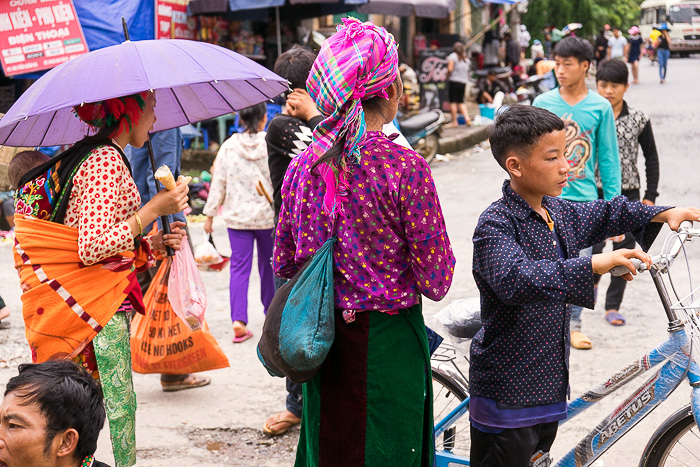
51,416
530,144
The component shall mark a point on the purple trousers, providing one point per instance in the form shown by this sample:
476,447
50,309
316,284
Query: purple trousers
242,243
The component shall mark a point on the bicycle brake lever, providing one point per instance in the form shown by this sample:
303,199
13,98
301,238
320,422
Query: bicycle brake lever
622,270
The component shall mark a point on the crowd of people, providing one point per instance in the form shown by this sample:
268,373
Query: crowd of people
333,171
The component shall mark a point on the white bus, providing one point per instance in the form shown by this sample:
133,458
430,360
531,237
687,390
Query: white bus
682,18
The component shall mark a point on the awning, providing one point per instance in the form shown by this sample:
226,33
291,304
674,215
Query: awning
203,7
422,8
198,7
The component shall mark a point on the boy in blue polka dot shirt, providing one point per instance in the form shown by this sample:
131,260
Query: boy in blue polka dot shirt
528,271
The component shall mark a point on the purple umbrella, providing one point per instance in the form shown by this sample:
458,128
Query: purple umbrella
194,81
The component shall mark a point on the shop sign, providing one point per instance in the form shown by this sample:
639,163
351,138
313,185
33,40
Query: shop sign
172,21
432,78
37,35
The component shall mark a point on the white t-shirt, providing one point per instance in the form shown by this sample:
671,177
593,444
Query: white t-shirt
460,74
617,46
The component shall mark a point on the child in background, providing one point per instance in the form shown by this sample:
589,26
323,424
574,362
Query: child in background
528,270
240,165
633,131
591,140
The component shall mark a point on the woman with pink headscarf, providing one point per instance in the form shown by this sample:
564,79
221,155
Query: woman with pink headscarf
372,398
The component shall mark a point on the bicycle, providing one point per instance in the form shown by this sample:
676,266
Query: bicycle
678,357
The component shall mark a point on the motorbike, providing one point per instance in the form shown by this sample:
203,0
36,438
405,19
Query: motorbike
422,130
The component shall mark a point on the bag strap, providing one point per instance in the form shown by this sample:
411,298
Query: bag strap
334,226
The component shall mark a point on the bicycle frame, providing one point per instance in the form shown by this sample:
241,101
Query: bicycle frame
672,353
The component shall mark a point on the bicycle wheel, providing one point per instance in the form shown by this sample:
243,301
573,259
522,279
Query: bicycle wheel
675,443
447,395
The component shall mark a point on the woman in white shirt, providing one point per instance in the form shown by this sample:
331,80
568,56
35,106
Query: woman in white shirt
458,71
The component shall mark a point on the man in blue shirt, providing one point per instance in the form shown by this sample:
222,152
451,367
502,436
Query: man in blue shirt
167,150
591,138
527,268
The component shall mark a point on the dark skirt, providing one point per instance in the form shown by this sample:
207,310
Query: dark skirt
371,402
455,92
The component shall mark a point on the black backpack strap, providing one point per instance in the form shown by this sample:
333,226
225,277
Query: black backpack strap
73,164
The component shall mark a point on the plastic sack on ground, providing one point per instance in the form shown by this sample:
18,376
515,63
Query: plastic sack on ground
458,322
186,291
206,254
162,343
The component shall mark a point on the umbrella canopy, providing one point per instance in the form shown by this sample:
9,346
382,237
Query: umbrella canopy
422,8
571,27
194,81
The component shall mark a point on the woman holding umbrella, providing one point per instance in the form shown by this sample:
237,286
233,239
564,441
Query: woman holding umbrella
380,200
79,245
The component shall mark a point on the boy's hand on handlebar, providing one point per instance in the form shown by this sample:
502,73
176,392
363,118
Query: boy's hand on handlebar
674,217
604,262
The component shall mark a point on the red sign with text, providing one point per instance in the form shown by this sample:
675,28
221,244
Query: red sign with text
38,34
172,21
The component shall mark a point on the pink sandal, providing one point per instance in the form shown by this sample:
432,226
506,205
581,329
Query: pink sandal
242,338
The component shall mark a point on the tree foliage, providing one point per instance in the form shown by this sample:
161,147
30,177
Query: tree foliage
593,14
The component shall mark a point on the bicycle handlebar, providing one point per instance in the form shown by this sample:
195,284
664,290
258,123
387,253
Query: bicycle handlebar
665,259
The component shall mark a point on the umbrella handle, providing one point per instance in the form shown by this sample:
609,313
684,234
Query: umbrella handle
166,230
163,219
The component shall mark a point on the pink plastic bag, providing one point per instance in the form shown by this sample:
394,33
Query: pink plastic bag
186,291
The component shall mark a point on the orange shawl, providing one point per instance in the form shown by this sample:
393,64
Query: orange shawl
66,303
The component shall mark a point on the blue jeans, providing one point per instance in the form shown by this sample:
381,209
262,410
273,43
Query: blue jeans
663,55
295,399
575,309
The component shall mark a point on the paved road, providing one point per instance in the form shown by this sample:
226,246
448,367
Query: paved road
219,424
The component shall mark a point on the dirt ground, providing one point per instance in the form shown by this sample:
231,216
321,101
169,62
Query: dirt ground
221,424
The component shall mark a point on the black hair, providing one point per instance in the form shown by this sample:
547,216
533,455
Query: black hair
67,396
613,71
575,47
294,65
519,128
252,116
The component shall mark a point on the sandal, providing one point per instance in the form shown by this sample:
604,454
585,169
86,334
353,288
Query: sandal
615,318
4,325
242,338
190,382
280,423
580,341
240,332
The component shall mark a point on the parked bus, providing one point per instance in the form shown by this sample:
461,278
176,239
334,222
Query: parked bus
682,18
